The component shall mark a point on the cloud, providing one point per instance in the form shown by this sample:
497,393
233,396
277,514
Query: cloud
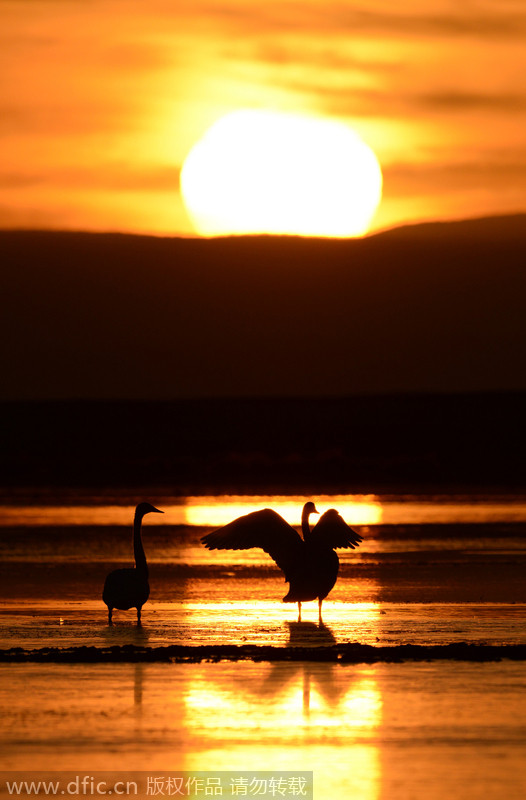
109,177
135,55
125,177
342,18
30,217
397,98
67,117
338,18
20,180
318,55
468,101
499,170
458,22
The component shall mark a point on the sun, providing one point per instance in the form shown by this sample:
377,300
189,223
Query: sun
267,172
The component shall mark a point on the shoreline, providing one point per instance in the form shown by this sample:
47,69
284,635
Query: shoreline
350,653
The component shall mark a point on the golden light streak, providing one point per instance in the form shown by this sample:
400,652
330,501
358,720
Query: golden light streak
361,705
302,719
210,511
219,511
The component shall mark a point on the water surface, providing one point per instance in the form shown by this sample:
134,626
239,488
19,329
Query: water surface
435,570
394,731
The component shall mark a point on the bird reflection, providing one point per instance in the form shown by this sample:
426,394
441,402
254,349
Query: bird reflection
324,675
125,635
308,634
310,564
138,686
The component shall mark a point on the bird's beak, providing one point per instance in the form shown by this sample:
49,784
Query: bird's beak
315,511
157,511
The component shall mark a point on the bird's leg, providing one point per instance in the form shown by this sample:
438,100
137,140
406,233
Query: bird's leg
138,616
299,611
319,611
110,612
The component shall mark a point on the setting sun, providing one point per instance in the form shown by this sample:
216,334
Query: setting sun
266,172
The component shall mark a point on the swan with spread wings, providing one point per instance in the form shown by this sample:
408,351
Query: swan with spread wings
310,564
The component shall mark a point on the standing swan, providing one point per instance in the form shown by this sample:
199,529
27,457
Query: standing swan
129,588
310,564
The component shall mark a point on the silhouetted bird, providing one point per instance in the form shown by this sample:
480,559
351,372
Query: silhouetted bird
310,564
129,588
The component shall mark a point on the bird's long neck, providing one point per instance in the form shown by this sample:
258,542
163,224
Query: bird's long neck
305,527
138,549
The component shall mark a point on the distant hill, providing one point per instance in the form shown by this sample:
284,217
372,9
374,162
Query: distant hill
429,308
511,227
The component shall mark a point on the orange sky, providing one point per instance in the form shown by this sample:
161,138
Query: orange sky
100,101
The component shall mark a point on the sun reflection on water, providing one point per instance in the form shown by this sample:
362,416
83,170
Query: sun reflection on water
205,511
192,511
214,511
291,716
269,622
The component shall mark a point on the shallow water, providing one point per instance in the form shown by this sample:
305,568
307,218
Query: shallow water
263,624
394,731
412,582
85,509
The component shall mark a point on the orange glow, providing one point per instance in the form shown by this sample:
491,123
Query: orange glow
101,102
221,510
362,704
213,511
297,714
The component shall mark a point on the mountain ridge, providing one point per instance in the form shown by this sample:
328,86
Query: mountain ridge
514,223
118,316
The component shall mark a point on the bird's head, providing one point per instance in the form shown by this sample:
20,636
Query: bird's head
146,508
309,508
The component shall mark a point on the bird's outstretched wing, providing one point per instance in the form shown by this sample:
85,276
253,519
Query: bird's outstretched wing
332,530
265,529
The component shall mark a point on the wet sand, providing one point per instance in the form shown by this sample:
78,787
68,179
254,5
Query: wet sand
54,624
